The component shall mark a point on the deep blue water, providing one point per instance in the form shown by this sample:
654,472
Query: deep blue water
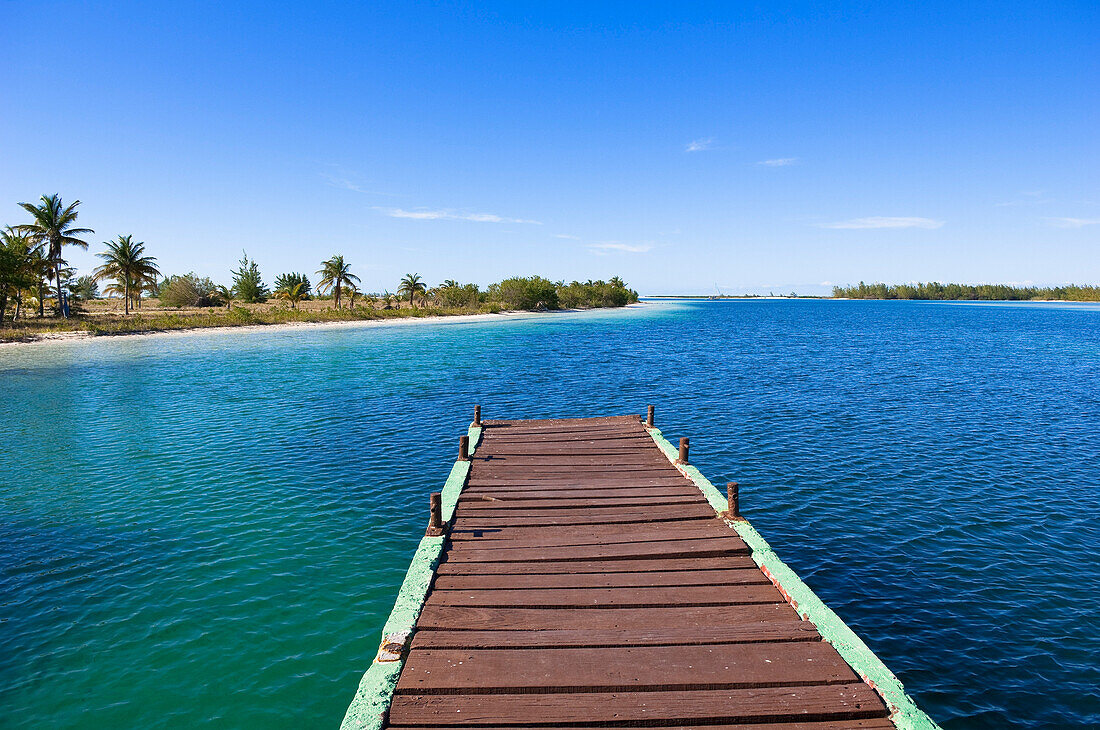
211,528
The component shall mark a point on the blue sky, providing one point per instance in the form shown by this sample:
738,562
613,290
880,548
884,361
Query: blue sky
766,147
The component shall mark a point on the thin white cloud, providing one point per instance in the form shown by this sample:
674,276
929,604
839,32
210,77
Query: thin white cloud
449,215
607,246
1027,197
699,145
345,184
885,222
567,236
1073,222
778,162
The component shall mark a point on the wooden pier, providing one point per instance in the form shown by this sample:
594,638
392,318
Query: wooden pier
586,581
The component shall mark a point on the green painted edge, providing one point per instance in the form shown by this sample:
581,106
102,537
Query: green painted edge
904,712
372,699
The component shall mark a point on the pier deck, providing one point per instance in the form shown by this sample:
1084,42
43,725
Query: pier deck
586,581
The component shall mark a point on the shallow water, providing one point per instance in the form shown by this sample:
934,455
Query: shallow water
212,528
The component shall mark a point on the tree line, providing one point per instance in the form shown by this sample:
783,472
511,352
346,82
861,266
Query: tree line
32,261
988,292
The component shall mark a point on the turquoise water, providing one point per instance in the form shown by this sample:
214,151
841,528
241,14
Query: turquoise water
210,529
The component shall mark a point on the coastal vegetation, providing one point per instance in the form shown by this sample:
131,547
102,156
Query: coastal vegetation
988,292
141,298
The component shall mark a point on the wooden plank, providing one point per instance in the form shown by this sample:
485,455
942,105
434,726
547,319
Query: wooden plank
552,492
548,567
520,502
624,518
634,668
556,536
699,509
599,597
611,447
702,547
866,724
760,631
601,580
435,616
773,704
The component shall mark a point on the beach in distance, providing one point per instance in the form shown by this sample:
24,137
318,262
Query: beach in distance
250,498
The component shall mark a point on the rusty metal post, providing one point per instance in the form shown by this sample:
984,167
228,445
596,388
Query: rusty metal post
435,523
477,415
463,448
649,417
683,451
732,499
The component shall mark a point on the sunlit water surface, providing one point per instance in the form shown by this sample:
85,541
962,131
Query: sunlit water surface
210,529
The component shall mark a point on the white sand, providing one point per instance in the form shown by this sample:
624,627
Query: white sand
48,338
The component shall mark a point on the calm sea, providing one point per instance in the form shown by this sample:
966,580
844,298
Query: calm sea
210,529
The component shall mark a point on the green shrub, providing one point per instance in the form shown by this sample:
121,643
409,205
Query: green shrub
248,285
188,290
454,295
525,292
287,282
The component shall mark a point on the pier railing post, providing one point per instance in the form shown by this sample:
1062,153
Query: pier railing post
683,459
649,417
732,499
435,522
463,448
477,415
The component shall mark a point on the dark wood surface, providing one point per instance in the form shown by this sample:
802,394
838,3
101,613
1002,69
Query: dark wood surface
587,583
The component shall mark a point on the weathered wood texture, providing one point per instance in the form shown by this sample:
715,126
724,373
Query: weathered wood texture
586,582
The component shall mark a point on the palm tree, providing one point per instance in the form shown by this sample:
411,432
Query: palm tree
411,285
128,266
221,291
449,284
293,294
19,255
53,226
352,291
335,274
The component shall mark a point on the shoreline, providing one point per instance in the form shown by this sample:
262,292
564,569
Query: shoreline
49,338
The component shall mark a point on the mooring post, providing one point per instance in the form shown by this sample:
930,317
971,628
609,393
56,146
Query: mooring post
463,448
732,499
683,451
649,417
477,415
435,522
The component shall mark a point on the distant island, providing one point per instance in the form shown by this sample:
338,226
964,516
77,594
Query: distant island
953,292
930,291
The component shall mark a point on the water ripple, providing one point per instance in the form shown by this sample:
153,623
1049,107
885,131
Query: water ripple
210,529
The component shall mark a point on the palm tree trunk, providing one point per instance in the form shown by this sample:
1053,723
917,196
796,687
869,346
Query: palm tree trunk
126,297
57,278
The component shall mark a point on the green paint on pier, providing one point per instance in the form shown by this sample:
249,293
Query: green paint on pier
372,699
905,714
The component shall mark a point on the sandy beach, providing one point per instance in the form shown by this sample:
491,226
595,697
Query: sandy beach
53,338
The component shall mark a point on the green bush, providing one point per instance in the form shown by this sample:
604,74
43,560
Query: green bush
188,290
287,282
525,292
455,295
595,294
248,285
